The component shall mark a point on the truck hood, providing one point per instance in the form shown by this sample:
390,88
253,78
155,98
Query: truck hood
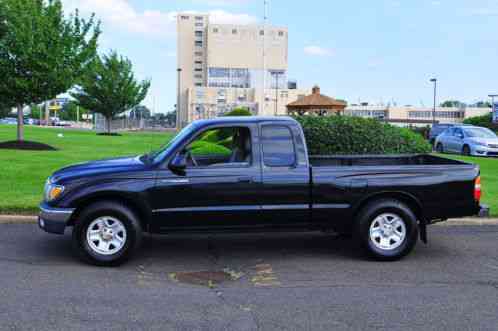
100,167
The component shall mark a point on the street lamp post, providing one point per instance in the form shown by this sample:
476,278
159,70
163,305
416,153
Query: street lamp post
178,99
434,80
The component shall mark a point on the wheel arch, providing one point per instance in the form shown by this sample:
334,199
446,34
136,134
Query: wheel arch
141,211
410,200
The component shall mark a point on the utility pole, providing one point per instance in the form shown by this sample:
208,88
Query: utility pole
265,21
276,92
178,101
434,80
494,115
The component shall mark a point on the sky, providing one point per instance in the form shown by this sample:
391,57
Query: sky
363,51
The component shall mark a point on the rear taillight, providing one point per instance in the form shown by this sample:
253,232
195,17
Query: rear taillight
477,189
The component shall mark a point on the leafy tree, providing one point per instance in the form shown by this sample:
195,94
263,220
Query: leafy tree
171,117
482,104
35,111
70,111
42,53
453,103
4,111
109,87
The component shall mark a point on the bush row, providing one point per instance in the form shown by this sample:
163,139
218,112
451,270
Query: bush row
354,135
484,120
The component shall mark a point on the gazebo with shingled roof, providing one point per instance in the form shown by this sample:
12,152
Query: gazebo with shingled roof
316,104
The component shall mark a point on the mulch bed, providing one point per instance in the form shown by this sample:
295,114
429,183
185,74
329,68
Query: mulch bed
114,134
26,145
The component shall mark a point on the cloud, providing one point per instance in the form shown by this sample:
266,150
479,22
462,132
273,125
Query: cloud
224,17
318,51
121,15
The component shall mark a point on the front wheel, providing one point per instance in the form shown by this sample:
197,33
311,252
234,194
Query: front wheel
386,230
106,234
466,150
439,148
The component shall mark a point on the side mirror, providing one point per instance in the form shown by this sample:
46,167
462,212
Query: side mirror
179,164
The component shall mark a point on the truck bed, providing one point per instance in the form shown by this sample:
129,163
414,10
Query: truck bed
380,160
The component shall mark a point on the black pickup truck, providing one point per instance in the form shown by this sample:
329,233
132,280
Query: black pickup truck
254,174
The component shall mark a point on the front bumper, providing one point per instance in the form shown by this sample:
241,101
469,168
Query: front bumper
54,220
479,150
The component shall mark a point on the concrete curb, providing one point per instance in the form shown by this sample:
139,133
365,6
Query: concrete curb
18,219
26,219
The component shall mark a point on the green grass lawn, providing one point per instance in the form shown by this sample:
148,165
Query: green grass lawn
23,173
489,179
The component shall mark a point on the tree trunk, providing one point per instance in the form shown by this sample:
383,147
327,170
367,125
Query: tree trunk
108,123
20,123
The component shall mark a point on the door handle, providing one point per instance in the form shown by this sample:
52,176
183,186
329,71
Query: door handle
244,179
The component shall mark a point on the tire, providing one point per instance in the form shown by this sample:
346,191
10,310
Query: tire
106,234
466,150
380,242
439,148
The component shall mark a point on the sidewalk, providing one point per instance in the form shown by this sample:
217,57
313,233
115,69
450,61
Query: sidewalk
23,219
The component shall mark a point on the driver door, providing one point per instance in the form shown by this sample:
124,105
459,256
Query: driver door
219,188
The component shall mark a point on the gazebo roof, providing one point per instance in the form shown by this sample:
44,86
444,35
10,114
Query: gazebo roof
318,101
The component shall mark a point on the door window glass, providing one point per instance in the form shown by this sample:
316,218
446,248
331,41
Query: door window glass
226,146
278,146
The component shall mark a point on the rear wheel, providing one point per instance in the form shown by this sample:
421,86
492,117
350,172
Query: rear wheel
439,148
106,234
466,150
386,230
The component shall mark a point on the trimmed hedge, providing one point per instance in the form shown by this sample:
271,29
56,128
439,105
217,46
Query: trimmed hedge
331,135
484,120
242,111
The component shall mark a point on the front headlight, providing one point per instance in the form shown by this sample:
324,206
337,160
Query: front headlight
479,143
52,191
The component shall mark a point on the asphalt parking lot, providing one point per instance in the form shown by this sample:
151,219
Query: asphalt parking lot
293,281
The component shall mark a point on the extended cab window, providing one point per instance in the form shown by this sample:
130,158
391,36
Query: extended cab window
226,146
278,146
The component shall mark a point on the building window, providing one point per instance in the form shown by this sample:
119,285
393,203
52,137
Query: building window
261,32
198,62
280,33
198,69
198,76
199,18
284,94
234,31
198,33
198,53
184,17
215,30
199,25
198,43
198,84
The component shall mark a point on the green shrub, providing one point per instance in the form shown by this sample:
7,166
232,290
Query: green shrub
241,111
330,135
200,147
484,120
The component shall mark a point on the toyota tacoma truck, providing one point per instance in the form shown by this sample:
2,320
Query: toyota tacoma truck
235,174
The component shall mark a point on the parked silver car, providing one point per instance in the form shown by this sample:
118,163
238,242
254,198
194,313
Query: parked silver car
468,140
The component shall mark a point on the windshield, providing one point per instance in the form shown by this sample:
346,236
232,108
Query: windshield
159,154
480,133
